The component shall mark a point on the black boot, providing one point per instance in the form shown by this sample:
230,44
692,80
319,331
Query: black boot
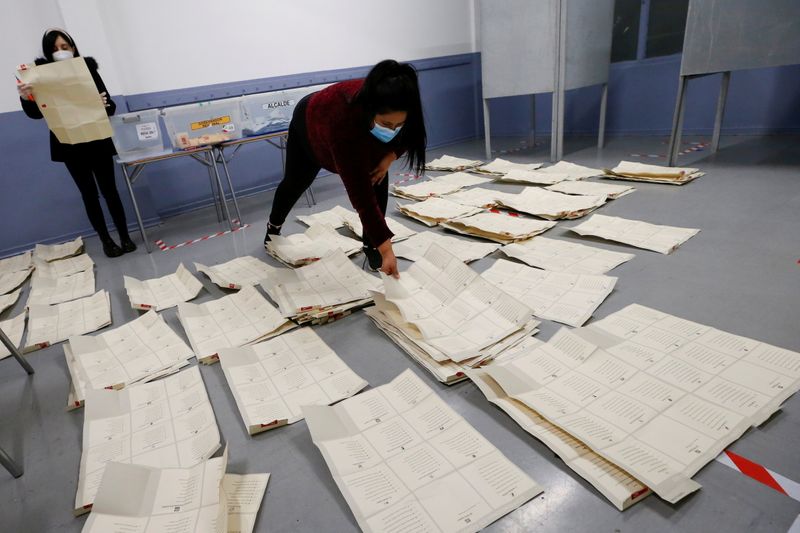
111,249
374,259
271,230
127,244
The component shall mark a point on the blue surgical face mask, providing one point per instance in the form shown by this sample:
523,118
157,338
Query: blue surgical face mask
384,134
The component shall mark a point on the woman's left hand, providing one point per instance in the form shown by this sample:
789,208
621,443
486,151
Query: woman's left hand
380,172
104,96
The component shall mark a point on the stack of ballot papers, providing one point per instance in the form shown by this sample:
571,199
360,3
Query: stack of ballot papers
241,272
475,197
242,318
591,188
466,250
304,248
164,292
404,460
8,300
49,291
559,296
165,424
629,170
533,177
573,171
142,350
63,267
53,252
51,324
656,395
339,216
272,379
14,329
448,163
550,205
564,256
562,351
499,167
333,217
434,211
504,228
16,263
11,280
662,239
325,290
450,183
445,310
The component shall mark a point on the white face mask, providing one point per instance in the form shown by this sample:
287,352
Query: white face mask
61,55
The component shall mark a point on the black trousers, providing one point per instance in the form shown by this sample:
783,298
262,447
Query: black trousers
301,169
89,174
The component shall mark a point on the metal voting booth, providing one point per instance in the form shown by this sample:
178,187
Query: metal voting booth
530,47
733,35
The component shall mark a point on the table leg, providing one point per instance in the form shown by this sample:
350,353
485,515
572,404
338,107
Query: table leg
215,170
230,185
12,466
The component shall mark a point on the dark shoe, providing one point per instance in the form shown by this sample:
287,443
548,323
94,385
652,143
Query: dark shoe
127,245
111,249
271,230
374,259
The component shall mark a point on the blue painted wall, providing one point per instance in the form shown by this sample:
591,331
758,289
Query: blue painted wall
40,203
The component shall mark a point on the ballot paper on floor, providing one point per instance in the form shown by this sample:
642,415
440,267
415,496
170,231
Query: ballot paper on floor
404,460
13,328
573,171
559,296
496,226
271,380
629,170
466,250
451,164
50,291
136,351
164,292
16,263
564,349
439,186
51,324
662,239
244,493
333,217
53,252
328,287
304,248
563,256
533,177
436,210
245,271
166,423
475,197
659,396
352,222
8,300
550,205
499,167
238,319
12,280
62,267
146,499
591,188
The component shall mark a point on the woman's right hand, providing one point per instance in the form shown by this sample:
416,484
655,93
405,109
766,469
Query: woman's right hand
389,261
25,91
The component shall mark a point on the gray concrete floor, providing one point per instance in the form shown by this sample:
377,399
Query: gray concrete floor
740,274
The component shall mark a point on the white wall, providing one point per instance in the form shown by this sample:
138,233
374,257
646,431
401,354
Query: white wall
158,45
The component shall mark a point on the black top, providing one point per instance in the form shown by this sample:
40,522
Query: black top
63,152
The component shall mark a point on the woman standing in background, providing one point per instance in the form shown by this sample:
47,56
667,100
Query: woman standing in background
90,164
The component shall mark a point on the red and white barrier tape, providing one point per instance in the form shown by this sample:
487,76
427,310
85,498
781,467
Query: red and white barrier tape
165,248
523,145
761,474
694,147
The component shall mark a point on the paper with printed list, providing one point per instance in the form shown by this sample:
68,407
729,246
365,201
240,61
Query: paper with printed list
406,461
339,216
662,239
271,380
54,252
591,188
237,273
499,167
16,263
304,248
661,396
451,163
564,256
62,267
50,324
466,250
496,226
436,210
50,291
164,292
550,205
634,171
12,280
167,423
439,186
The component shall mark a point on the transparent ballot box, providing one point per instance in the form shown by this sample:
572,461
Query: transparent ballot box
137,134
272,111
203,123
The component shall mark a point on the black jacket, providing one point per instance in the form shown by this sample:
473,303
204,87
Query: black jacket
64,152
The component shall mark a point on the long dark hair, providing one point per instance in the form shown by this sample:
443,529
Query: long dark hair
49,43
392,86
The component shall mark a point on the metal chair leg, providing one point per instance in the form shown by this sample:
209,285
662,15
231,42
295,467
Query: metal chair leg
14,468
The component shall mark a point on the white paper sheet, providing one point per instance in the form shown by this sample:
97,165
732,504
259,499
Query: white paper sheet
304,248
533,177
237,273
167,423
439,186
333,217
662,239
559,296
271,380
573,171
634,171
498,167
452,164
244,493
435,210
12,280
353,223
53,252
50,291
499,227
8,300
563,256
475,197
23,261
62,267
466,250
231,321
51,324
164,292
591,188
405,461
550,205
13,328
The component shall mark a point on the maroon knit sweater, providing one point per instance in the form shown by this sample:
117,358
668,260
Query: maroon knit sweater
338,132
